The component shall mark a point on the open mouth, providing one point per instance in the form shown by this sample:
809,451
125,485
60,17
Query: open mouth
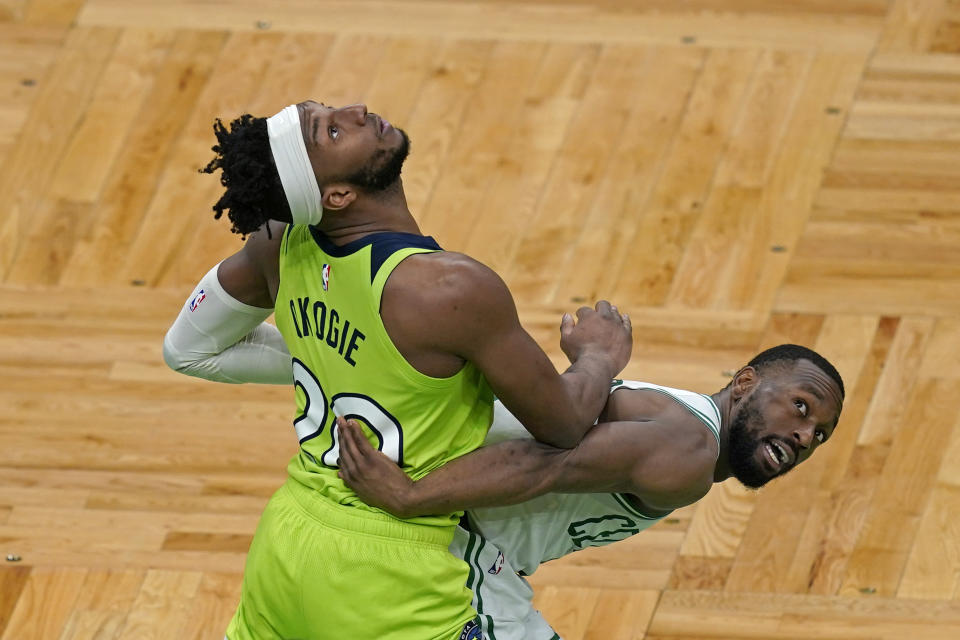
776,454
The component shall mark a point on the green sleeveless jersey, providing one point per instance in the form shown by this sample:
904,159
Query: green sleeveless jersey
344,364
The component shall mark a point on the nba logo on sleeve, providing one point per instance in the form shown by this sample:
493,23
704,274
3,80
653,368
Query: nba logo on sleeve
197,299
325,276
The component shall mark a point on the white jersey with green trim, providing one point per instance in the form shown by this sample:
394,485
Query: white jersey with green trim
554,525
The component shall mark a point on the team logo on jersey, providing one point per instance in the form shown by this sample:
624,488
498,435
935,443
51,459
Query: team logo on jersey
197,299
325,276
594,532
471,631
497,564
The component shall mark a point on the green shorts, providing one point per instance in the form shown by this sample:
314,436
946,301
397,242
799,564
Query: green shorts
321,571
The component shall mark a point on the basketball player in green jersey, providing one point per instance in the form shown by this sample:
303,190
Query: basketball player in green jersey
382,327
655,449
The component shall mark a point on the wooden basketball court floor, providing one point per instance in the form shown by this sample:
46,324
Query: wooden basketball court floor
735,173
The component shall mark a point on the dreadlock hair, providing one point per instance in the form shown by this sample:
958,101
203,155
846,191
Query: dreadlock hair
790,353
253,193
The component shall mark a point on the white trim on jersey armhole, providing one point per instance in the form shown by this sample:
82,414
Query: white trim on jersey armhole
713,426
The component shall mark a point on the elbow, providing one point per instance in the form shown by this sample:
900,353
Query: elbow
557,440
172,357
564,441
563,435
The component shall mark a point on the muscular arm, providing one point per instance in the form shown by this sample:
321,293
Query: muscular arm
461,307
651,460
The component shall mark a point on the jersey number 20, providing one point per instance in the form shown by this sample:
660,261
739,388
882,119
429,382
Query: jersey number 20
318,411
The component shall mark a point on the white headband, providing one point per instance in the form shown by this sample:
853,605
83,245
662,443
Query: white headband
293,165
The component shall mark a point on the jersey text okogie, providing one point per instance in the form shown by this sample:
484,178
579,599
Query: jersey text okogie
316,320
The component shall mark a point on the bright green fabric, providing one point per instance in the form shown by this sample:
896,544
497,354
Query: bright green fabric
321,571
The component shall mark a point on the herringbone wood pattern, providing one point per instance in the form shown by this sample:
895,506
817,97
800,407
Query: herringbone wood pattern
735,173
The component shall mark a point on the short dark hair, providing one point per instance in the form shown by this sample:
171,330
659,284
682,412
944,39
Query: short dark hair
792,353
253,193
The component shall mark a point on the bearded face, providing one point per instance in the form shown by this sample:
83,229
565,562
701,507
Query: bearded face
383,168
748,446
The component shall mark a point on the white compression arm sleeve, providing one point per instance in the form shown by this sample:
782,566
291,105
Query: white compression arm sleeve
219,338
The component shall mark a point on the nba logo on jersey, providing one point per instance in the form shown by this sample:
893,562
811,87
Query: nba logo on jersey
197,299
325,276
471,631
497,564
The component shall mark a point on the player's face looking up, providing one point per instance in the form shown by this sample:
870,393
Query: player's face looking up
352,145
792,410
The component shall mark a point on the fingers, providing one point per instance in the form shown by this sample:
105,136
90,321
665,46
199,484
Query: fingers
347,458
352,449
605,308
602,308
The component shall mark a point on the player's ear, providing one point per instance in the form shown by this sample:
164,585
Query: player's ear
744,382
337,195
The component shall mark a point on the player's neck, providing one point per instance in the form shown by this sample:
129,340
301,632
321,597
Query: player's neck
724,403
385,212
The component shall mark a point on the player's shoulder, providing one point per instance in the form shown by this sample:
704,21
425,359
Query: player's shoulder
696,446
451,278
687,423
451,265
464,299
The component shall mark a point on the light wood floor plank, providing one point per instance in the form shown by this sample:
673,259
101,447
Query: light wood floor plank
126,197
520,177
46,603
726,615
104,604
13,579
879,558
438,115
46,132
934,562
62,12
657,107
213,605
491,118
163,605
561,22
686,179
578,172
170,217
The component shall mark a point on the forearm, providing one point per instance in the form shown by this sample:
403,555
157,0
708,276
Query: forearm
587,383
507,473
570,405
261,356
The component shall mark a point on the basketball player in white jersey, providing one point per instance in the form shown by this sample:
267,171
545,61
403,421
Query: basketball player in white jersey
654,449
